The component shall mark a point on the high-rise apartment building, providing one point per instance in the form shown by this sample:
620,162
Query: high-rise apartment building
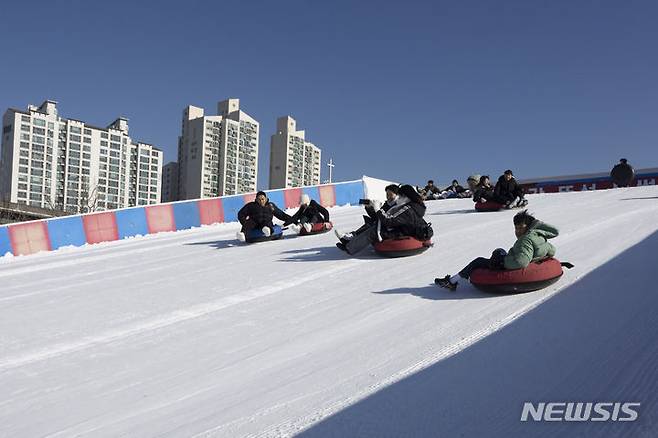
294,162
51,162
217,155
170,182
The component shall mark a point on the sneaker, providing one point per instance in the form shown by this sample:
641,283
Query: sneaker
446,283
341,246
240,236
267,232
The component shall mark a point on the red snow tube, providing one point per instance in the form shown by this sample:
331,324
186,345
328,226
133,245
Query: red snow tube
488,206
401,246
318,228
537,275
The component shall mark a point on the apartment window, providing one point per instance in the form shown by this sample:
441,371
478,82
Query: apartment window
25,137
86,148
154,168
87,132
74,154
40,131
86,156
86,163
25,119
39,122
74,162
104,135
22,169
115,138
103,143
86,139
75,130
75,138
115,146
74,146
24,161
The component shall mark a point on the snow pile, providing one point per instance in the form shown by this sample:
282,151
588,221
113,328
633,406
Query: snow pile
194,334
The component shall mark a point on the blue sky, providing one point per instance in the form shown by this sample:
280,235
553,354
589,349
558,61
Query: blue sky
398,90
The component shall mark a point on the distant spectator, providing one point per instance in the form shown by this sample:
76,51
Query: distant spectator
623,173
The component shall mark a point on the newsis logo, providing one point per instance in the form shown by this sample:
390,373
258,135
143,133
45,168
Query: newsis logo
580,411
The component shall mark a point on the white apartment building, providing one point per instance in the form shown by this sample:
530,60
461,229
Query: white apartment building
51,162
217,155
294,162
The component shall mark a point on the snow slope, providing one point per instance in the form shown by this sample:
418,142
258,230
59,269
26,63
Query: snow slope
193,334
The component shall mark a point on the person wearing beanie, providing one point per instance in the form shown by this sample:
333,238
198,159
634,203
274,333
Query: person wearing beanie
309,213
405,218
258,215
473,181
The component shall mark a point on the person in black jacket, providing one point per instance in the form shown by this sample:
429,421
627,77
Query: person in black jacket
372,207
454,190
431,191
258,214
508,191
405,218
309,213
484,191
623,173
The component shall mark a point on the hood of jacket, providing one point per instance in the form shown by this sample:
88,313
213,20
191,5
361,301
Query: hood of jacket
543,229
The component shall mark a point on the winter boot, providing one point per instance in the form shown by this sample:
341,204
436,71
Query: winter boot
446,283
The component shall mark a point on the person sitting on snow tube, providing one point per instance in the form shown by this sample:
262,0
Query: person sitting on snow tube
508,192
472,183
531,245
431,191
454,190
403,219
257,216
309,213
372,207
484,191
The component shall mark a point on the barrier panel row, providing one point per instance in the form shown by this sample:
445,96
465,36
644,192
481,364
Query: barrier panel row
50,234
643,177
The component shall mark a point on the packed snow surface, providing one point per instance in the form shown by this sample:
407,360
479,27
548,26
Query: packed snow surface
195,334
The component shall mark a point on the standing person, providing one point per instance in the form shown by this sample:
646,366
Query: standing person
257,215
623,173
403,219
508,192
531,244
309,213
431,191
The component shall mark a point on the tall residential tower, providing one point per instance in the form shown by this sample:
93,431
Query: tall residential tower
294,162
217,155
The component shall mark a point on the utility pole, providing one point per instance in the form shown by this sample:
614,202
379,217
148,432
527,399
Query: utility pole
330,165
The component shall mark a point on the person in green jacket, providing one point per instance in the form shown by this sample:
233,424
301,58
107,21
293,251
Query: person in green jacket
531,245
